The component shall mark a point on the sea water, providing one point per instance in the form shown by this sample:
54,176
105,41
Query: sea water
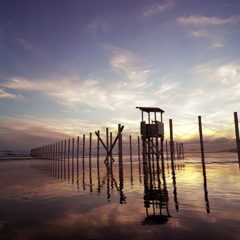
88,199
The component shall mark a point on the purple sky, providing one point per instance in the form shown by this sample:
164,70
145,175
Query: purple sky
71,67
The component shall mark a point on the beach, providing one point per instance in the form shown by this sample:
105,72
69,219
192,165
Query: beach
43,199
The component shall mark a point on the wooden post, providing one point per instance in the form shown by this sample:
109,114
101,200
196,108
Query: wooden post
68,150
177,150
83,152
73,160
171,139
139,160
61,150
167,150
139,149
237,135
162,155
77,149
111,146
61,157
54,158
90,150
73,149
119,145
182,151
201,137
65,150
58,159
98,171
98,149
130,142
107,144
77,163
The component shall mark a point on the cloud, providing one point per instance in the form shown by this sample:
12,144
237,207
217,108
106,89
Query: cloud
207,21
229,73
217,88
127,90
24,132
26,45
215,40
98,25
156,8
163,88
204,28
128,65
4,94
200,33
203,68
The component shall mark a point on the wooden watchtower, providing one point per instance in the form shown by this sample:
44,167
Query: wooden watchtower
152,130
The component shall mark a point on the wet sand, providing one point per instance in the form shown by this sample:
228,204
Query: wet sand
40,199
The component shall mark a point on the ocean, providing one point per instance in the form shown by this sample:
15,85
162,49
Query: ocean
87,199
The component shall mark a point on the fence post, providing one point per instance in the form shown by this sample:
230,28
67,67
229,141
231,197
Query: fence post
182,151
83,154
237,135
90,150
201,137
171,139
119,145
130,146
107,144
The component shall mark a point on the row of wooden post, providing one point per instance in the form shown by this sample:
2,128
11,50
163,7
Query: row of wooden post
59,149
66,149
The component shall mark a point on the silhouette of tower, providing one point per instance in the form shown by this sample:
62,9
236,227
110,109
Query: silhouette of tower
155,193
152,131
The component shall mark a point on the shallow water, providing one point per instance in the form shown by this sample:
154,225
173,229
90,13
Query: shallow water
45,199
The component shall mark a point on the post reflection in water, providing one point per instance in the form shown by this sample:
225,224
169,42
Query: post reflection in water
109,177
205,186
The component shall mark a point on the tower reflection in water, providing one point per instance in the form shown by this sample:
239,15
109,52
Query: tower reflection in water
155,193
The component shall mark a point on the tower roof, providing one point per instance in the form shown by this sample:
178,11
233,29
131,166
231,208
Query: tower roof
150,109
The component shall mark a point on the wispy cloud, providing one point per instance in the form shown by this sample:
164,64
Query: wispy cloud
126,90
214,40
26,45
207,21
213,29
218,86
4,94
23,132
97,25
229,74
156,8
165,87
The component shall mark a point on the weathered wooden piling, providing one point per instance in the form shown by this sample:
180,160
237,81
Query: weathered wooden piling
182,151
171,140
166,150
130,147
83,154
77,149
107,145
73,160
237,135
201,137
90,150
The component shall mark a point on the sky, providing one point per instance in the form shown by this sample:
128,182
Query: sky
71,67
